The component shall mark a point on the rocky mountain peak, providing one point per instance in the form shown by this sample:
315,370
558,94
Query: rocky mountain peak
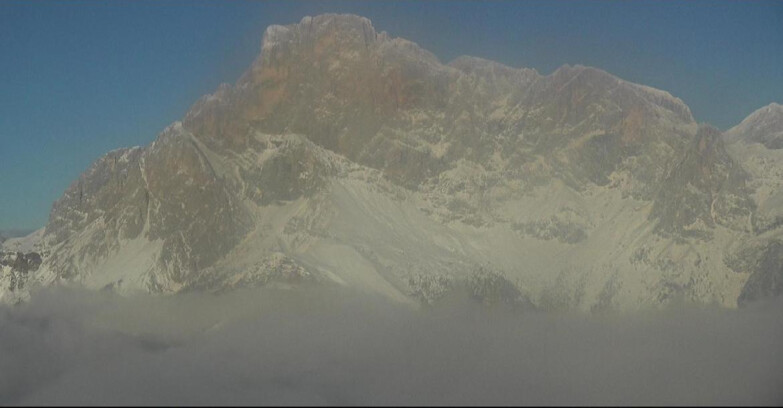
764,126
321,29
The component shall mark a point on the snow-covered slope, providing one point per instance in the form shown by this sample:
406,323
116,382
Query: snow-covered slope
764,126
27,243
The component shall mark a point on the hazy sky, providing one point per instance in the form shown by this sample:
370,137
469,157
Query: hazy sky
81,78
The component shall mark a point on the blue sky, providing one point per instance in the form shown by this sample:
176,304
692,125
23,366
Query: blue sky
80,78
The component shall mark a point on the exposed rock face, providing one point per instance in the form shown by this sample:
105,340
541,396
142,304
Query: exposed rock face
345,156
705,189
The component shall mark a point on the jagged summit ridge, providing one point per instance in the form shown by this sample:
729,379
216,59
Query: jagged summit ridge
339,62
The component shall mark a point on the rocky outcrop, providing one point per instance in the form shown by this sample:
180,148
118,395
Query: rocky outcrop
16,268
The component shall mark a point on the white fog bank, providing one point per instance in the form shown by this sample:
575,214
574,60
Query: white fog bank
334,347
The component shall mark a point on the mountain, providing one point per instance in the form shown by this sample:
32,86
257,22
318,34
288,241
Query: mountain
763,126
344,156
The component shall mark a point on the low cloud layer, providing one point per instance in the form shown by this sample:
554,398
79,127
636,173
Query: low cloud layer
334,347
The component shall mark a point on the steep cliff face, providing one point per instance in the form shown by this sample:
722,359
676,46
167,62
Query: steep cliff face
345,156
